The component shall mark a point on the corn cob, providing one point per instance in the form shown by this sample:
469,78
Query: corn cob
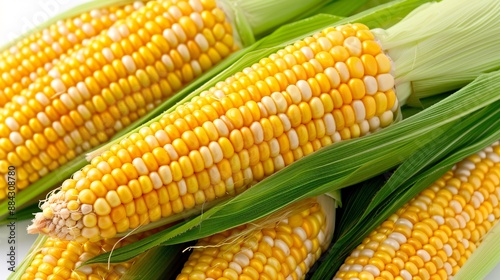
286,249
335,85
123,73
61,259
35,55
434,234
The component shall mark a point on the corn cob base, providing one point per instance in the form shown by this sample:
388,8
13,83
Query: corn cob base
434,234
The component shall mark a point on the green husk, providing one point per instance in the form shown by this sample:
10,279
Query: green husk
332,168
451,42
416,173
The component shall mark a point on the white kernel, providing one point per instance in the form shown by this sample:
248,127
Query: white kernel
336,137
196,68
392,243
448,250
491,218
184,52
58,128
196,5
317,66
294,93
308,244
359,110
34,47
165,174
274,147
16,138
475,202
207,156
308,52
67,101
42,117
221,127
343,71
172,153
58,86
137,5
175,12
301,233
353,45
293,138
123,30
179,32
56,47
84,112
371,85
182,187
82,88
367,253
152,142
456,206
257,131
216,151
162,137
167,60
269,105
88,29
89,125
279,162
357,267
279,101
13,125
448,268
140,166
129,64
285,121
171,38
280,244
399,237
108,54
405,274
198,21
305,90
333,76
325,44
373,270
214,175
95,14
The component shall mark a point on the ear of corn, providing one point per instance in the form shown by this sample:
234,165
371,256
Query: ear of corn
335,85
283,249
60,259
122,73
433,235
35,55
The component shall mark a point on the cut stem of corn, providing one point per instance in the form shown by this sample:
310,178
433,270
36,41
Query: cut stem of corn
36,55
283,249
332,86
433,235
120,75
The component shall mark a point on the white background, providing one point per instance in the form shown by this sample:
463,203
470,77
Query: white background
16,17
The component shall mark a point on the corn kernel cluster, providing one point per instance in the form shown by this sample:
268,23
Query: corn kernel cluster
434,234
285,250
37,54
122,73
